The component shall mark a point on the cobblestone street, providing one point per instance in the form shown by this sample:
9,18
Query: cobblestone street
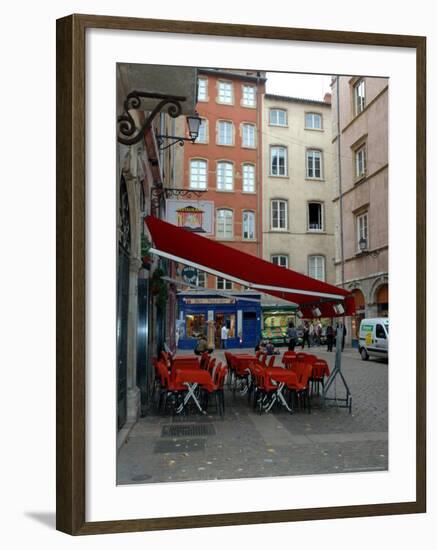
245,444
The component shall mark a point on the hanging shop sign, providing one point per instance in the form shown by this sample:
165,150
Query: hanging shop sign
195,216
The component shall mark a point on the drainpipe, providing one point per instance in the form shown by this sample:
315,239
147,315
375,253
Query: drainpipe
340,190
258,170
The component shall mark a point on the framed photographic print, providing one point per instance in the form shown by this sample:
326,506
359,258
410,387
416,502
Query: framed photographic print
240,274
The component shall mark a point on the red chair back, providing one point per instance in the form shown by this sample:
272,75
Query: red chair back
163,374
166,358
288,358
204,360
270,362
259,375
303,372
228,357
222,371
320,369
211,365
301,356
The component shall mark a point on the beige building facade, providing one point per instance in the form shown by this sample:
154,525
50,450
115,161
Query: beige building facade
298,185
360,132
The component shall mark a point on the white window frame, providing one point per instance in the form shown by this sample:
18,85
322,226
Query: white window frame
322,220
225,99
224,235
360,157
226,124
205,80
248,218
205,162
280,259
317,257
201,278
313,154
251,179
225,284
278,110
359,96
272,148
248,130
222,175
204,124
362,221
313,116
248,100
278,202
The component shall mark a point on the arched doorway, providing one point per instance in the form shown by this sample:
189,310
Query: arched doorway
382,300
360,313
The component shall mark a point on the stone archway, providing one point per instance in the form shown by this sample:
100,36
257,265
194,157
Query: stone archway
379,297
360,313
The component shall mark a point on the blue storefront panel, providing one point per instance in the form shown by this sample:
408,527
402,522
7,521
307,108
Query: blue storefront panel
242,318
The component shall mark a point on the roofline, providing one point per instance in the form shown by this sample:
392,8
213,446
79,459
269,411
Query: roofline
297,99
236,76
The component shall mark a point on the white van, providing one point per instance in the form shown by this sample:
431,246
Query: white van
373,338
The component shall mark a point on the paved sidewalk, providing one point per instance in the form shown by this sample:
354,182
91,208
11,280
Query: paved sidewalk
245,444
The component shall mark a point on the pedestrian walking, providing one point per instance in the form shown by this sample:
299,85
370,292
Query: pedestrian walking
305,336
311,334
270,348
292,336
319,329
344,336
224,337
329,337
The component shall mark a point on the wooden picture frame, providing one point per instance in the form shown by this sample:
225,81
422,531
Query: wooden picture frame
71,247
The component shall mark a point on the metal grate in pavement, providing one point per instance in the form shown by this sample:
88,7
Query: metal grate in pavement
187,430
179,445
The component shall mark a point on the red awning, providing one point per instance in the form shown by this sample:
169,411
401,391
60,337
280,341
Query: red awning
191,249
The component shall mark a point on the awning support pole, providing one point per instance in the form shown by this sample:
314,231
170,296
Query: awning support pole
347,401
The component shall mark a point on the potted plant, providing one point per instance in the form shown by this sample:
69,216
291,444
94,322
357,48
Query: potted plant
146,245
159,288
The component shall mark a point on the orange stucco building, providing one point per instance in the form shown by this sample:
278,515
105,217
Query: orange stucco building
225,161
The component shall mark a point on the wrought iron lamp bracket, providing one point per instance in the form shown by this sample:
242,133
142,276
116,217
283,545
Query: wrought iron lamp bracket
128,133
181,140
160,193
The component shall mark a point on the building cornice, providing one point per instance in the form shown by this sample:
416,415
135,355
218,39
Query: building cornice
235,76
297,100
360,182
366,108
359,256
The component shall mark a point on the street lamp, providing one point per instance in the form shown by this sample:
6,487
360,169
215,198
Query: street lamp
193,122
362,244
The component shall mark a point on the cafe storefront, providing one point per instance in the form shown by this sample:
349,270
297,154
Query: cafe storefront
275,323
206,314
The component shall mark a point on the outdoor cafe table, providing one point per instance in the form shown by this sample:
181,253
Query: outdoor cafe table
244,360
280,374
185,358
192,364
283,377
192,378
